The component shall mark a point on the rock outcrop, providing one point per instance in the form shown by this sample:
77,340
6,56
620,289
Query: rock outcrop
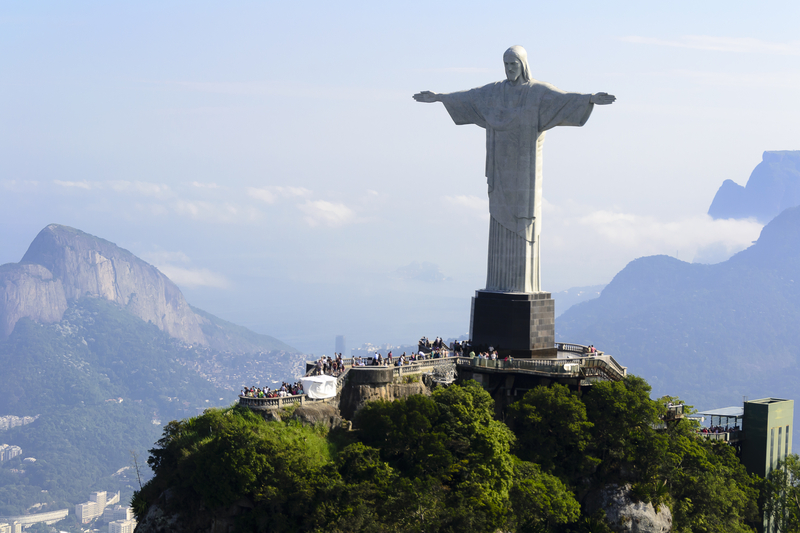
355,396
773,186
625,515
160,520
64,264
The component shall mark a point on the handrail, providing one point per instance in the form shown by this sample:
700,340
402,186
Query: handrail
575,348
549,366
725,436
594,366
278,402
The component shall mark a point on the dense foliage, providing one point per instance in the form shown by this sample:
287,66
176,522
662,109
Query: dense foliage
781,496
73,374
444,463
709,332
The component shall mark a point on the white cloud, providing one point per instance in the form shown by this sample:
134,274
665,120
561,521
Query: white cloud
188,277
327,213
216,212
24,185
474,205
184,275
772,80
584,246
650,235
164,257
272,193
157,190
721,44
604,232
265,195
293,191
76,184
205,185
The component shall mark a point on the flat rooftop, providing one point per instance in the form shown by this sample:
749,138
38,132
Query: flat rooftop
731,412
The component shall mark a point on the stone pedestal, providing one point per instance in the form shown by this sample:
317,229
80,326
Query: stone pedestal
515,323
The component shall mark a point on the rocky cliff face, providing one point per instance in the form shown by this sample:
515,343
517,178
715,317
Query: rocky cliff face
773,186
64,264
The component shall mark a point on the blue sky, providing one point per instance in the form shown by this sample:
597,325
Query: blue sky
269,158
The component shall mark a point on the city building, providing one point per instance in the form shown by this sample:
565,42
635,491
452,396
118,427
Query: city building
761,432
341,345
11,421
25,521
117,512
8,451
87,511
768,426
122,526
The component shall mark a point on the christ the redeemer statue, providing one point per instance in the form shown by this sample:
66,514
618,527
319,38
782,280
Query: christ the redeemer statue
515,114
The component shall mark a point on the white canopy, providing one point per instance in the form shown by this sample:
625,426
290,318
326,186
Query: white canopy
319,387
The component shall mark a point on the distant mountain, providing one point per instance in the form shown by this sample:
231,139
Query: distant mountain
64,264
575,295
708,333
773,186
106,350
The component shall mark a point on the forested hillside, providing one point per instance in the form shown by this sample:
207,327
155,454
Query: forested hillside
443,463
104,383
713,333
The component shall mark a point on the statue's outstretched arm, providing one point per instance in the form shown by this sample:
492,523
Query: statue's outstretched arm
427,97
600,98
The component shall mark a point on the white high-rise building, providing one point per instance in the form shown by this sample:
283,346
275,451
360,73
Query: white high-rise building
95,507
9,451
117,512
99,498
122,526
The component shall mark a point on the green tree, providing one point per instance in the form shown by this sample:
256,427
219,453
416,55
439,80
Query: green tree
624,419
451,443
552,430
781,495
540,502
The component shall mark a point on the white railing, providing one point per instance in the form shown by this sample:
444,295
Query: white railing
273,403
547,366
725,436
575,348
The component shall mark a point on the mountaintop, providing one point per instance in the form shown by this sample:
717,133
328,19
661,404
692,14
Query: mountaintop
64,264
773,186
103,349
710,334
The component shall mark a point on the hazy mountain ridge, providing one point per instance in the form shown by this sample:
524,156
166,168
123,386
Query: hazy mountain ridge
104,382
773,186
709,333
64,264
82,265
106,350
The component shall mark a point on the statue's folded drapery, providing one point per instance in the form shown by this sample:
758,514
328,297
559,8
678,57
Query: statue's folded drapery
515,118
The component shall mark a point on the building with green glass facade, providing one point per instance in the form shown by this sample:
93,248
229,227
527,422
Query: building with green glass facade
767,425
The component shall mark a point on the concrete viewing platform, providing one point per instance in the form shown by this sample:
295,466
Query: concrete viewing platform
502,378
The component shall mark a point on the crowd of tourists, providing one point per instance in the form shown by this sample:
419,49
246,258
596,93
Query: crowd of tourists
718,429
335,366
327,366
284,390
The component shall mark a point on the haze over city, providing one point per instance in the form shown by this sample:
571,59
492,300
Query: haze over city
270,160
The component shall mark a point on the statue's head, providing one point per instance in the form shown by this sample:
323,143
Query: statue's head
516,63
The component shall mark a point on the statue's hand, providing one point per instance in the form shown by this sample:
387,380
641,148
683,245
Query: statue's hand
603,98
426,96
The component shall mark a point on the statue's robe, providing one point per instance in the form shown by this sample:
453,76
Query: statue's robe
515,118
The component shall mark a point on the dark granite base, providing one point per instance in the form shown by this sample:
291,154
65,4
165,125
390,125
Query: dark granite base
517,324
